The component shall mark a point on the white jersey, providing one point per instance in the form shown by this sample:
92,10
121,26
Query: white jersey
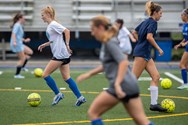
54,33
123,37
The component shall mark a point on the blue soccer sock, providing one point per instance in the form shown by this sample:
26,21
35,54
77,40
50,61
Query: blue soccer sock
51,83
184,75
151,123
73,87
97,122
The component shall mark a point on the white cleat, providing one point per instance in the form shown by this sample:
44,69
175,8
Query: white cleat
19,76
184,86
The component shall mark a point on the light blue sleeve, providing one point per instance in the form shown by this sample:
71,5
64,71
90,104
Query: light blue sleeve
15,28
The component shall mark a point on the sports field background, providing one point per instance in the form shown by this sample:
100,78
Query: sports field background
15,110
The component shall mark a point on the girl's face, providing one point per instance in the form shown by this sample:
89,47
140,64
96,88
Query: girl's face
184,17
44,16
158,15
22,20
97,32
118,25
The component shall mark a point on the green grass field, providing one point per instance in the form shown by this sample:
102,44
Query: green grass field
14,109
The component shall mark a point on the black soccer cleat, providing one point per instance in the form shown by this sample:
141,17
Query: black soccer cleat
157,107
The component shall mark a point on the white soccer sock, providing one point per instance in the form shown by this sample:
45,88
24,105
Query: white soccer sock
154,94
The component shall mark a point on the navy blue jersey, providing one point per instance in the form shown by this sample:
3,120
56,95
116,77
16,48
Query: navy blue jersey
185,34
185,31
143,46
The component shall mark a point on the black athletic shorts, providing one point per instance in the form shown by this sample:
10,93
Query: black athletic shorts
64,61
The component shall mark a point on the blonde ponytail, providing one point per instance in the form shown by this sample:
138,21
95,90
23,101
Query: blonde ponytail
111,30
152,7
49,10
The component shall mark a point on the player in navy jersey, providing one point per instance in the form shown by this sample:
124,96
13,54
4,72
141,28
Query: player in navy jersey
61,56
123,85
184,43
144,33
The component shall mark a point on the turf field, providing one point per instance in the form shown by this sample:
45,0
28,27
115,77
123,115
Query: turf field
14,108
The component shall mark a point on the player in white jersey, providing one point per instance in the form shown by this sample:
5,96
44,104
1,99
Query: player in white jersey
124,37
61,56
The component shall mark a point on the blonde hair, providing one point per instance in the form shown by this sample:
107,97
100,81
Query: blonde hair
152,7
112,30
49,10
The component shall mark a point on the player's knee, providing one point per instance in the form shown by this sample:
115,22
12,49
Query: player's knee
156,78
92,114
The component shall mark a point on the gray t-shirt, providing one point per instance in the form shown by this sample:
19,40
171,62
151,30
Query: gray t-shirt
111,55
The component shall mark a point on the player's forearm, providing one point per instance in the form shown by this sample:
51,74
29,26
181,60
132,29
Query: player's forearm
67,36
96,70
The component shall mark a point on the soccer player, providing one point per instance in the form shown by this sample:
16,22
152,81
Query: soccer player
122,83
16,44
61,56
124,37
184,43
145,33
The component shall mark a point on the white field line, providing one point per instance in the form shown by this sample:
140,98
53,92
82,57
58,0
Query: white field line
146,79
174,77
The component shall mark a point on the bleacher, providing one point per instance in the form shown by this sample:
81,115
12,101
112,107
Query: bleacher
8,8
75,14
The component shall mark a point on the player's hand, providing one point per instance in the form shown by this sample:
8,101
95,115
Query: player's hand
41,47
82,77
120,93
14,43
161,52
177,46
184,43
27,40
69,50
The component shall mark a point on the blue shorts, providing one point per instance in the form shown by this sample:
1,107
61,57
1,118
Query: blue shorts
17,49
186,48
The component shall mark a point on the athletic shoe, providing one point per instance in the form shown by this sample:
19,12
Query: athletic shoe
19,76
184,86
80,101
57,98
157,107
25,69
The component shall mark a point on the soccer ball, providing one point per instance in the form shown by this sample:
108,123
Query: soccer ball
38,72
168,104
34,99
166,83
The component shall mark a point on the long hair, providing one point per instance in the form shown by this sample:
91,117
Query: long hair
120,21
16,18
152,7
49,10
112,30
